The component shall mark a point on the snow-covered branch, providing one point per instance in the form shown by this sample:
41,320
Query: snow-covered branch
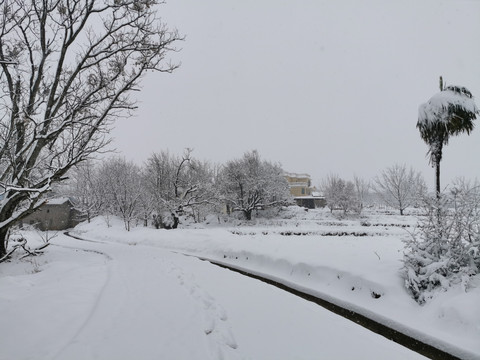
68,69
250,183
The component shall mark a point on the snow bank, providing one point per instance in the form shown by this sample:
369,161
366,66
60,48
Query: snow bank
362,272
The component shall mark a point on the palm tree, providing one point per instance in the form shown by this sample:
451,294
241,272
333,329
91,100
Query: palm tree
449,112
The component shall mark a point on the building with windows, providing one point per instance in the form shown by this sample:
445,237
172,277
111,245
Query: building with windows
302,191
300,184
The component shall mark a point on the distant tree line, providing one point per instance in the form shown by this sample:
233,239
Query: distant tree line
168,187
397,187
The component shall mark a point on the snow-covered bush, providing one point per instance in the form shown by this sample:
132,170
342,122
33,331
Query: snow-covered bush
165,220
446,249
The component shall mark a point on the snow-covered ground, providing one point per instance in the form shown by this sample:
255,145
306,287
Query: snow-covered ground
134,295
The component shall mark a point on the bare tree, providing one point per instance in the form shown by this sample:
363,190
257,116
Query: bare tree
400,187
67,70
178,184
362,189
250,183
146,204
122,189
340,194
85,188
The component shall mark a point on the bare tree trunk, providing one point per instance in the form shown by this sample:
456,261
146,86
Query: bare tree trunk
3,241
5,215
176,221
248,214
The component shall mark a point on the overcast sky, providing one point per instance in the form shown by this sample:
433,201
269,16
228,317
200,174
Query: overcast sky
319,86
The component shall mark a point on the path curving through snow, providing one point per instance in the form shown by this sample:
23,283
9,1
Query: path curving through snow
146,309
120,301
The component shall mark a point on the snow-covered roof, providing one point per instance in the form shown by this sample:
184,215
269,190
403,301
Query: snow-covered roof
314,197
58,201
294,175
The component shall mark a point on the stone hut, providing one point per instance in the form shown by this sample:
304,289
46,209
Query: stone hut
56,214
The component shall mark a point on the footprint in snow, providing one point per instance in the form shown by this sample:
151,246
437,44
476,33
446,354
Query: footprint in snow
216,328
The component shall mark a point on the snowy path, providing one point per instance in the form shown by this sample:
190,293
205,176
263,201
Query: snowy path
131,316
114,301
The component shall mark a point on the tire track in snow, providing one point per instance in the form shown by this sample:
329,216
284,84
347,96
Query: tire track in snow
220,338
98,298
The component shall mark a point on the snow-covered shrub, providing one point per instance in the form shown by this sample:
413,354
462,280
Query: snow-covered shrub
165,220
446,249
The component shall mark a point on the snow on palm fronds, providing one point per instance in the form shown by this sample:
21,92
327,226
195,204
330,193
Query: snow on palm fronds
449,112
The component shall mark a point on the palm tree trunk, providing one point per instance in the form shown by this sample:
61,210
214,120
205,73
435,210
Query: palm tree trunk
437,157
438,193
437,179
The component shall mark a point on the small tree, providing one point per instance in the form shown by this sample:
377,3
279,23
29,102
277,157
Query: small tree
84,187
362,190
449,112
250,183
178,184
340,194
146,204
68,70
400,188
122,189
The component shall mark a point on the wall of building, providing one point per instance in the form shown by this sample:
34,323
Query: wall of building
300,184
53,217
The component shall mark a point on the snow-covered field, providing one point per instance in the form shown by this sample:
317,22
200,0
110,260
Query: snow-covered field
134,294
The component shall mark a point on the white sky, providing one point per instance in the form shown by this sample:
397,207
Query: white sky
319,86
